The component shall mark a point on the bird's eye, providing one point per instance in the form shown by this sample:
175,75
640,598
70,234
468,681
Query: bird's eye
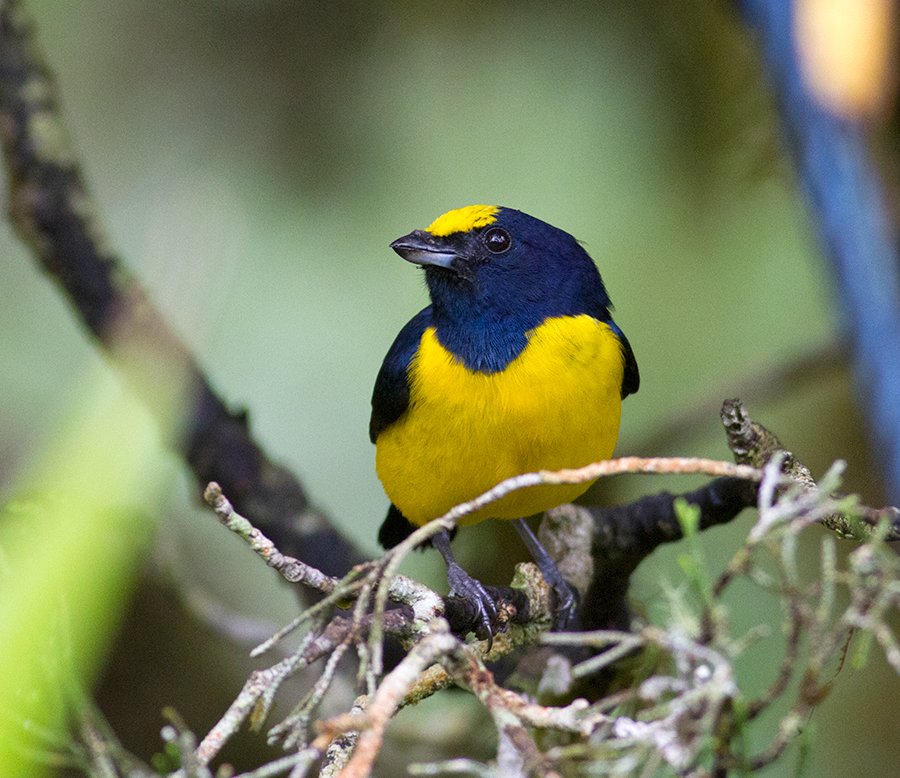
497,240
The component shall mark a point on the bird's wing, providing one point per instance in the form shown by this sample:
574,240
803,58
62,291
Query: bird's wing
391,395
631,380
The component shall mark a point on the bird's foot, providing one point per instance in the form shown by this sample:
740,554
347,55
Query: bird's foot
472,590
565,614
565,610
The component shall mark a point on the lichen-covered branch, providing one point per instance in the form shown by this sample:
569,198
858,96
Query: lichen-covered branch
755,445
52,211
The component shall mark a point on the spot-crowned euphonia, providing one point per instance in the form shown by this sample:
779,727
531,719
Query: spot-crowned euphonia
516,366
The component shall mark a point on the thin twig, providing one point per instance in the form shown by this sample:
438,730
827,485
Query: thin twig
291,569
393,689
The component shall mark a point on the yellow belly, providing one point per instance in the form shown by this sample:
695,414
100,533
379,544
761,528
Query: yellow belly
556,405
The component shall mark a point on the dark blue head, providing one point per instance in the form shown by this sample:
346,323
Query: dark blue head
494,274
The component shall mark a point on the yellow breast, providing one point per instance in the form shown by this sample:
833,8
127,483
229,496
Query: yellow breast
556,405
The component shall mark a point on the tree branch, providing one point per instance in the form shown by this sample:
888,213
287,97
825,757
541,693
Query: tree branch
53,213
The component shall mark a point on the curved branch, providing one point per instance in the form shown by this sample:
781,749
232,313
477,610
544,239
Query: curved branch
53,213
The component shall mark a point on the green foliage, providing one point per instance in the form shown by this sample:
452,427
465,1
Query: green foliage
70,542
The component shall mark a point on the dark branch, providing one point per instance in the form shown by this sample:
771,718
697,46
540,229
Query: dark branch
625,535
53,213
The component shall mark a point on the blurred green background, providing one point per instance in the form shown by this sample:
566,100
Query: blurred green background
252,160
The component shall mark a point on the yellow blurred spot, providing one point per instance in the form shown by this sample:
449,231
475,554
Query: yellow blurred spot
846,52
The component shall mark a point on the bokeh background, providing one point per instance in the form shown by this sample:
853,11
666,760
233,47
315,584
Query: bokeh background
253,159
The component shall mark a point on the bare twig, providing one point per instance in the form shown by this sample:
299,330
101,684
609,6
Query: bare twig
373,722
755,445
291,569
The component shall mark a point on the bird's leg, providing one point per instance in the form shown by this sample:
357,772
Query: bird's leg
566,596
462,584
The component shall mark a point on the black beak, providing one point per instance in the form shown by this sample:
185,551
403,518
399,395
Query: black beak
422,248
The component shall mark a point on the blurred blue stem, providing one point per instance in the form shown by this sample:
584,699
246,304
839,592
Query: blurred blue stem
859,238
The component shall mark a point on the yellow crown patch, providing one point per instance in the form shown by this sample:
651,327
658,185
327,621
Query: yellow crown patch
463,220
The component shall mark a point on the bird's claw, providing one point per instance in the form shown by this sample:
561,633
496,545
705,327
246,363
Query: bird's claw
471,589
566,611
565,615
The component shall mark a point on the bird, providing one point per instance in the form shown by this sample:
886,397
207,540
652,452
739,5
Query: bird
515,366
